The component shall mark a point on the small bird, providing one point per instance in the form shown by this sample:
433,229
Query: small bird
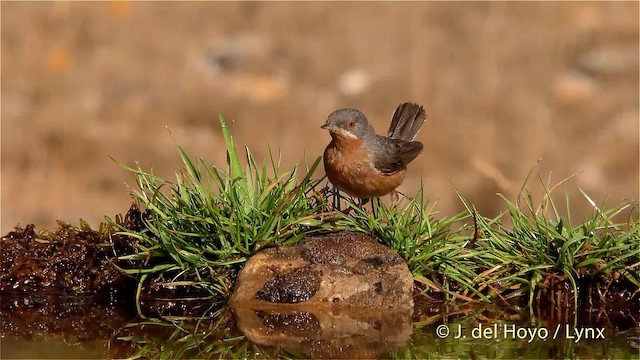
366,165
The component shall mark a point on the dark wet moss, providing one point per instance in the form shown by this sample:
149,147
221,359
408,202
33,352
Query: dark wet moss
69,260
378,287
376,261
291,287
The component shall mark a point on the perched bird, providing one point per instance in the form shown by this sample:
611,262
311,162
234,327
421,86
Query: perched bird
366,165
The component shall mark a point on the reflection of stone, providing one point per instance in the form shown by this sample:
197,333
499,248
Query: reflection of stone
346,269
322,332
334,296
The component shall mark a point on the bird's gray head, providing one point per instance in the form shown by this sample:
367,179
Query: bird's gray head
349,124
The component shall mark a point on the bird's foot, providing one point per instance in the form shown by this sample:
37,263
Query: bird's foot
360,203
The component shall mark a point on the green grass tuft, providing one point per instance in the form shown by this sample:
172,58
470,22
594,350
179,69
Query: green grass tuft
209,219
200,227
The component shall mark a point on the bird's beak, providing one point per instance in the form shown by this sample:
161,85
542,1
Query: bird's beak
328,126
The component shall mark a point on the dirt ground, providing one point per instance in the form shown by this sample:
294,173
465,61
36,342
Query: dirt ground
504,85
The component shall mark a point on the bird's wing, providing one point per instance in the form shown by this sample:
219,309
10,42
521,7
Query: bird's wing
392,155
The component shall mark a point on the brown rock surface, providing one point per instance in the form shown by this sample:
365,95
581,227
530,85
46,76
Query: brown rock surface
346,269
340,295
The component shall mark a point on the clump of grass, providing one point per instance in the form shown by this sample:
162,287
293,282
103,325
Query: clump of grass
431,247
524,252
542,249
202,226
209,218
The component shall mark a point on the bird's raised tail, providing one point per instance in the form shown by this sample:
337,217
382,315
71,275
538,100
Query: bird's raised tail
406,121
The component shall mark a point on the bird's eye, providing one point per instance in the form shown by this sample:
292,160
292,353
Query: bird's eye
352,124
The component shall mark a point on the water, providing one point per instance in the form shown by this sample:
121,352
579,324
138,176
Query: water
58,327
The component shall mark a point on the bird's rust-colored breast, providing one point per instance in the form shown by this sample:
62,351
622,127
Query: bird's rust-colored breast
348,166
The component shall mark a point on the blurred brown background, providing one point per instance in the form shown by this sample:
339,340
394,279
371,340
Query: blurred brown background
504,84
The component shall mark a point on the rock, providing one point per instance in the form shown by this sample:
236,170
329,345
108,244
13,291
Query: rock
343,269
341,295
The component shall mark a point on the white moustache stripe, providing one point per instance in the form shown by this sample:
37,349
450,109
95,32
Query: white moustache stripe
346,134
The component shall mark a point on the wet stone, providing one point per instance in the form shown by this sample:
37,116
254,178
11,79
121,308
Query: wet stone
343,269
340,247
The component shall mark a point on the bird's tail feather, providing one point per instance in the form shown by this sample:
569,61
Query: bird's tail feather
406,121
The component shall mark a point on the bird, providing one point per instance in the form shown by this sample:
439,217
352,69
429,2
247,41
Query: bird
364,164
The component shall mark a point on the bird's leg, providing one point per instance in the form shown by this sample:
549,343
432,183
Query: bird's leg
337,203
375,204
394,198
336,199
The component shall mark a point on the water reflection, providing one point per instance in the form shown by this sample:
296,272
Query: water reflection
64,327
327,333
